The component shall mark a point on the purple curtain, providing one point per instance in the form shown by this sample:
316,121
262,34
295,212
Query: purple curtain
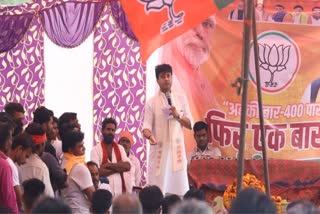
69,24
12,29
119,82
22,72
121,19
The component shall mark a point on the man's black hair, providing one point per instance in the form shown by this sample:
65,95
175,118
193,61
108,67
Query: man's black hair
279,5
66,117
32,189
23,139
252,201
5,134
51,205
151,199
101,201
316,7
13,107
298,6
169,201
6,118
162,68
70,139
107,121
197,194
199,126
92,163
42,115
64,128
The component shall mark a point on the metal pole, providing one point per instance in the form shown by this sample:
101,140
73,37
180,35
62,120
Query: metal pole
261,119
244,102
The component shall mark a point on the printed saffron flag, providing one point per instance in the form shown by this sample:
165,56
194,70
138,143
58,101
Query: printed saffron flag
156,22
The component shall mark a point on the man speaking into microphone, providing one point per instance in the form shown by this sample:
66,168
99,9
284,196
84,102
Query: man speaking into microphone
166,113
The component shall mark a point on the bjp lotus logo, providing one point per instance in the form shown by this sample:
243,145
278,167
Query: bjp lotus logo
279,61
273,59
175,19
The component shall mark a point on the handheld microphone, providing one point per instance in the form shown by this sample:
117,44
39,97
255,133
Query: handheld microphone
168,96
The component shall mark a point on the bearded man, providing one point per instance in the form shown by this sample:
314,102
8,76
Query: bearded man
112,159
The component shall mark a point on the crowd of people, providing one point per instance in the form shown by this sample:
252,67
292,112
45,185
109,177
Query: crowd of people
295,15
43,167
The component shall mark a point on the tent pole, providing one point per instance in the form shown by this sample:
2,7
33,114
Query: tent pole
244,102
261,119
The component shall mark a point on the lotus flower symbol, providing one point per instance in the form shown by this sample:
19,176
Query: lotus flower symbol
158,5
273,59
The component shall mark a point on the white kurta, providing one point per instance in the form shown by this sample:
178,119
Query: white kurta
115,179
15,173
168,134
134,175
36,168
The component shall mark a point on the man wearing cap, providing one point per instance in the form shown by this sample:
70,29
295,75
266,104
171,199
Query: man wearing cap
34,166
126,140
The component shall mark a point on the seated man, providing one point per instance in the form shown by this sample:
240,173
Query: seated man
314,19
126,140
94,171
238,13
203,149
279,14
298,16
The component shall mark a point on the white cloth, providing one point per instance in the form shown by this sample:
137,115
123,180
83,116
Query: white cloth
114,179
15,173
57,144
210,151
36,168
134,175
104,186
315,21
79,179
296,18
135,170
161,170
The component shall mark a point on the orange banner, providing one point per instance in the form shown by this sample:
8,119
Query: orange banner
155,22
207,65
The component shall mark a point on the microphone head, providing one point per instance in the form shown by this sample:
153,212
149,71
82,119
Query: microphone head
168,95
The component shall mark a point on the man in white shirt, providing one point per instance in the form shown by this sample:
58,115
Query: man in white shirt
21,149
166,114
314,19
34,166
126,140
78,193
112,159
53,138
203,150
94,171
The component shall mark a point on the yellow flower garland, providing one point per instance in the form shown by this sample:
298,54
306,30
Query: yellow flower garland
249,181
